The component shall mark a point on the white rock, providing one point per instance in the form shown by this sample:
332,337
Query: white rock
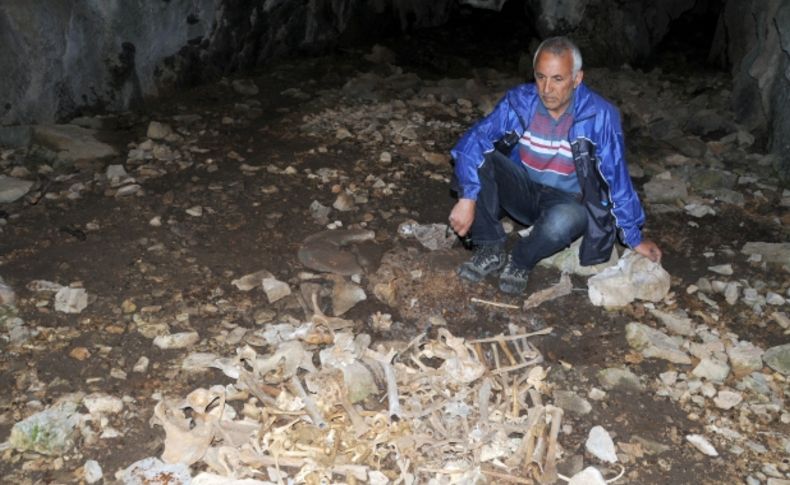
127,190
732,292
12,188
634,277
344,202
275,289
73,143
181,340
385,157
699,210
116,172
92,471
711,369
653,343
726,399
71,300
251,280
677,322
774,299
723,269
600,445
155,221
588,476
195,211
100,403
745,358
702,444
141,365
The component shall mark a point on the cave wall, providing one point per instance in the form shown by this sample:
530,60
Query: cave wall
61,57
611,32
753,37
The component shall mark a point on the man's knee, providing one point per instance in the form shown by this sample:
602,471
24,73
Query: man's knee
565,222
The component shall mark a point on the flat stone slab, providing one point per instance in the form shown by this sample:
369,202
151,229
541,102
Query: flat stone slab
12,189
73,143
324,251
778,358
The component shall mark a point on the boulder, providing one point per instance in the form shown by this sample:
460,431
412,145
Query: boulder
634,277
12,189
73,143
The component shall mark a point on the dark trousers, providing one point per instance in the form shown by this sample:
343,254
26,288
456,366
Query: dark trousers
557,218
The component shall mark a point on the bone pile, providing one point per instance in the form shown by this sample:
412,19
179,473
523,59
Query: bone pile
446,411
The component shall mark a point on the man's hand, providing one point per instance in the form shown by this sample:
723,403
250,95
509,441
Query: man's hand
462,216
649,250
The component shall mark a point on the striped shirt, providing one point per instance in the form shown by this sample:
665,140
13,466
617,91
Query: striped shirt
546,152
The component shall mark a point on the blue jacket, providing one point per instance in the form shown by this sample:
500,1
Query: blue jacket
596,137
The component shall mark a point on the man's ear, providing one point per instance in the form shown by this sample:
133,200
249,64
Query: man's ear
578,79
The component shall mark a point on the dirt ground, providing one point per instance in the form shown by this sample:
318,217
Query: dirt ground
253,221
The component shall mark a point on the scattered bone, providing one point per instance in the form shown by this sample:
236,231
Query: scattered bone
563,288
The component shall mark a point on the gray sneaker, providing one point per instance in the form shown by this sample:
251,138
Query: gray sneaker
486,260
513,279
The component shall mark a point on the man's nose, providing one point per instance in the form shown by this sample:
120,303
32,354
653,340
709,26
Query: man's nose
547,87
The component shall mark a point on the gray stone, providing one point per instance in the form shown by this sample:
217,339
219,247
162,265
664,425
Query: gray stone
12,189
567,261
600,445
71,300
704,179
158,130
677,322
571,402
320,212
275,289
665,190
653,343
92,471
72,143
778,358
344,202
618,378
712,369
771,252
745,358
726,399
756,383
245,87
634,278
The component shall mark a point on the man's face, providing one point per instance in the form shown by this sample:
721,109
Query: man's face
554,77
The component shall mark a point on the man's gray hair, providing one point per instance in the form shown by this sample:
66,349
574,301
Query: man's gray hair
559,46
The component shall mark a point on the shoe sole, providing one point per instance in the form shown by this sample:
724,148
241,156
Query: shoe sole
467,274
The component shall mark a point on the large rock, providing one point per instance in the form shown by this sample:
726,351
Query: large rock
654,343
771,252
634,277
72,142
778,358
567,261
12,188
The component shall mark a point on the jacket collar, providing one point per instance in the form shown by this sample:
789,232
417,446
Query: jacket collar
583,106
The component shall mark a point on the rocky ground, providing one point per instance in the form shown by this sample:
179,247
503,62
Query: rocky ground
167,255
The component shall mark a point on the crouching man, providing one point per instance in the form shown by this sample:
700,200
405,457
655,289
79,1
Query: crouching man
558,166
